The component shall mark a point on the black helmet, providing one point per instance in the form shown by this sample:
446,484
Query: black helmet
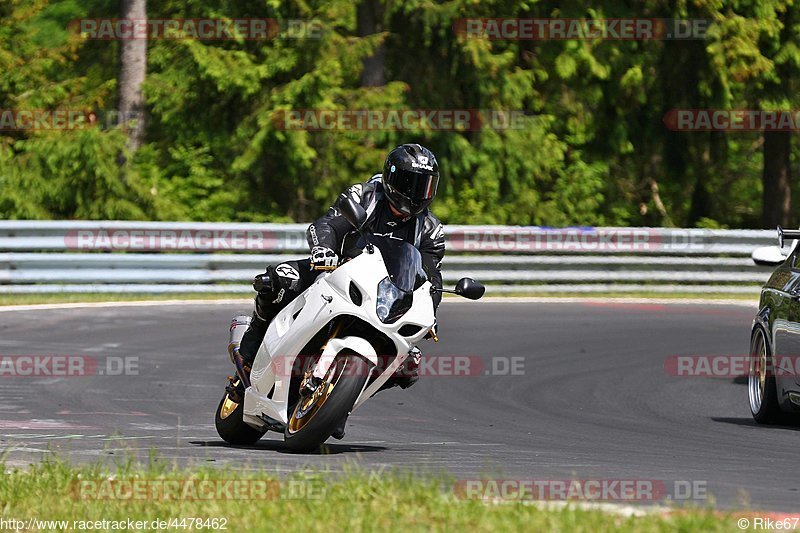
410,178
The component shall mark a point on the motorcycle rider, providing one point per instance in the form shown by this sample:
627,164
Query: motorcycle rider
396,203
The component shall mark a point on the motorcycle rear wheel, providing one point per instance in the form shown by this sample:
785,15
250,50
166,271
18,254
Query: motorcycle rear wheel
230,425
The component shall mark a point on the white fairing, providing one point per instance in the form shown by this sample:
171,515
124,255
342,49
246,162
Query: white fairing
304,317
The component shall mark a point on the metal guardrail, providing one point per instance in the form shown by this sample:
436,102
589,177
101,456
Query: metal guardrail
158,257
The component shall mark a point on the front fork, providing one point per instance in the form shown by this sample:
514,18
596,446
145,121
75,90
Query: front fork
315,375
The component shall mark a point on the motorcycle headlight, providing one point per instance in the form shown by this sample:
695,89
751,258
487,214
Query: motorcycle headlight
392,302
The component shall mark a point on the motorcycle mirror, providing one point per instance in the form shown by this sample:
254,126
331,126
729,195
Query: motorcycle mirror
469,288
353,212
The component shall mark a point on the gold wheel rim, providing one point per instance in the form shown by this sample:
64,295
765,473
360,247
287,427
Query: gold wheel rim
311,405
228,407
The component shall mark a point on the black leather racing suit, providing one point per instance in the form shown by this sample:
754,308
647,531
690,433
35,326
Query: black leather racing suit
287,280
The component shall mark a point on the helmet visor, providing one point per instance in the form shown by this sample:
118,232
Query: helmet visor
418,188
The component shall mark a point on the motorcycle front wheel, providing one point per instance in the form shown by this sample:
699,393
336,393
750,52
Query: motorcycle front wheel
315,418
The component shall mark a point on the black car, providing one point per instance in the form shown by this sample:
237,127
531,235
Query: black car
773,382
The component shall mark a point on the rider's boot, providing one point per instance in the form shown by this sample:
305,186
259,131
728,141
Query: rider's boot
408,372
338,433
244,354
404,377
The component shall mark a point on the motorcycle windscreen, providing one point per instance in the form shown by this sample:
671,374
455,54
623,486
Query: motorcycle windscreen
403,262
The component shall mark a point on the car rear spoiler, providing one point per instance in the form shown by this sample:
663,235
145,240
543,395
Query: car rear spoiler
787,235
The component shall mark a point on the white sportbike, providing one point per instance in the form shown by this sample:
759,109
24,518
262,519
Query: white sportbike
347,335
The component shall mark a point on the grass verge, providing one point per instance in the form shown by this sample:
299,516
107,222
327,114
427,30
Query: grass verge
57,298
350,501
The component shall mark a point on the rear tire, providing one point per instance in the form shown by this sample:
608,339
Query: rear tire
336,406
761,389
230,425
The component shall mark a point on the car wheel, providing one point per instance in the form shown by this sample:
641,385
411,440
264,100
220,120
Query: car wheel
761,388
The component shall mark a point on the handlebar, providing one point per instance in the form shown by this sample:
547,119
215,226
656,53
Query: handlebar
323,268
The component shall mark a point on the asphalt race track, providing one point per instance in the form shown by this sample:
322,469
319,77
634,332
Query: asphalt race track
592,401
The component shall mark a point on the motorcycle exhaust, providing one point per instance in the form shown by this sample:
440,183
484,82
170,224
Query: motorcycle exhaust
239,325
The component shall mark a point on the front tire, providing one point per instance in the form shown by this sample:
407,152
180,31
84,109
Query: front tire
761,389
314,419
231,426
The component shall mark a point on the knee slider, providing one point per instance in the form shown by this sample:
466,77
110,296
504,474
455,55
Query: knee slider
285,276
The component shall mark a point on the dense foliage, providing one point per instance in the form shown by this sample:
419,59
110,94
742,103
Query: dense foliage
593,150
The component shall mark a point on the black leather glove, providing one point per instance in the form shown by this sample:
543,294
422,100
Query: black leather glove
263,283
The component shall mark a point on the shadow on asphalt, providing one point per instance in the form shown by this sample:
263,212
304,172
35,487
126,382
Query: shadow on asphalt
748,421
280,447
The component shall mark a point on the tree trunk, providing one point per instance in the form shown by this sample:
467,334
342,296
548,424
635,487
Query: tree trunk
776,179
133,68
369,15
700,204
